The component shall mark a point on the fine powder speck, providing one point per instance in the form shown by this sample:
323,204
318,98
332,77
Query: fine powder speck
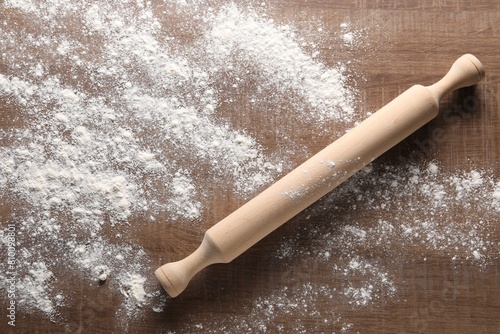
117,118
34,288
132,287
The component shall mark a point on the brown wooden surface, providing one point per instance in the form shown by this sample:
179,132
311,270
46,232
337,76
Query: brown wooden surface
409,42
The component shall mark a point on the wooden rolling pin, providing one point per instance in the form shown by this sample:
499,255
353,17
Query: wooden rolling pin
319,175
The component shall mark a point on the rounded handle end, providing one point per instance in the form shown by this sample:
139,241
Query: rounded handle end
468,59
174,277
171,282
466,71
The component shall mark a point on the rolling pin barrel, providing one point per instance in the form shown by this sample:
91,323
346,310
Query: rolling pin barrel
319,175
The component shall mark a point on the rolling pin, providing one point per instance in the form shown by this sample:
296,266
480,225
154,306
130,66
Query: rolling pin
313,179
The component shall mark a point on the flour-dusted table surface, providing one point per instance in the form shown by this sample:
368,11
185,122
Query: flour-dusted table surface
128,128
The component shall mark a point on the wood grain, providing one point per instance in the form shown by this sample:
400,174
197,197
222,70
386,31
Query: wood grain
409,42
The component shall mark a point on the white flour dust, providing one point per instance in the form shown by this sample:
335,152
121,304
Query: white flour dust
33,288
113,110
252,38
118,117
356,255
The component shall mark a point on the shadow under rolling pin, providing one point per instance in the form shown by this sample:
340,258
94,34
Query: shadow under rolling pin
319,175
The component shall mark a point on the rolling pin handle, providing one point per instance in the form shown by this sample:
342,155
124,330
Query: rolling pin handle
466,71
175,276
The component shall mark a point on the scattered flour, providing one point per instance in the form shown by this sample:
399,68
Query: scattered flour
496,197
116,118
423,198
33,289
350,37
112,111
357,253
132,287
276,53
182,197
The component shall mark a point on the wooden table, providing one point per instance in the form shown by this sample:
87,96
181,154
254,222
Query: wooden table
402,43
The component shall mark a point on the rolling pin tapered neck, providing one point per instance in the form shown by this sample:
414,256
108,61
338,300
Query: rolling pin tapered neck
465,71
